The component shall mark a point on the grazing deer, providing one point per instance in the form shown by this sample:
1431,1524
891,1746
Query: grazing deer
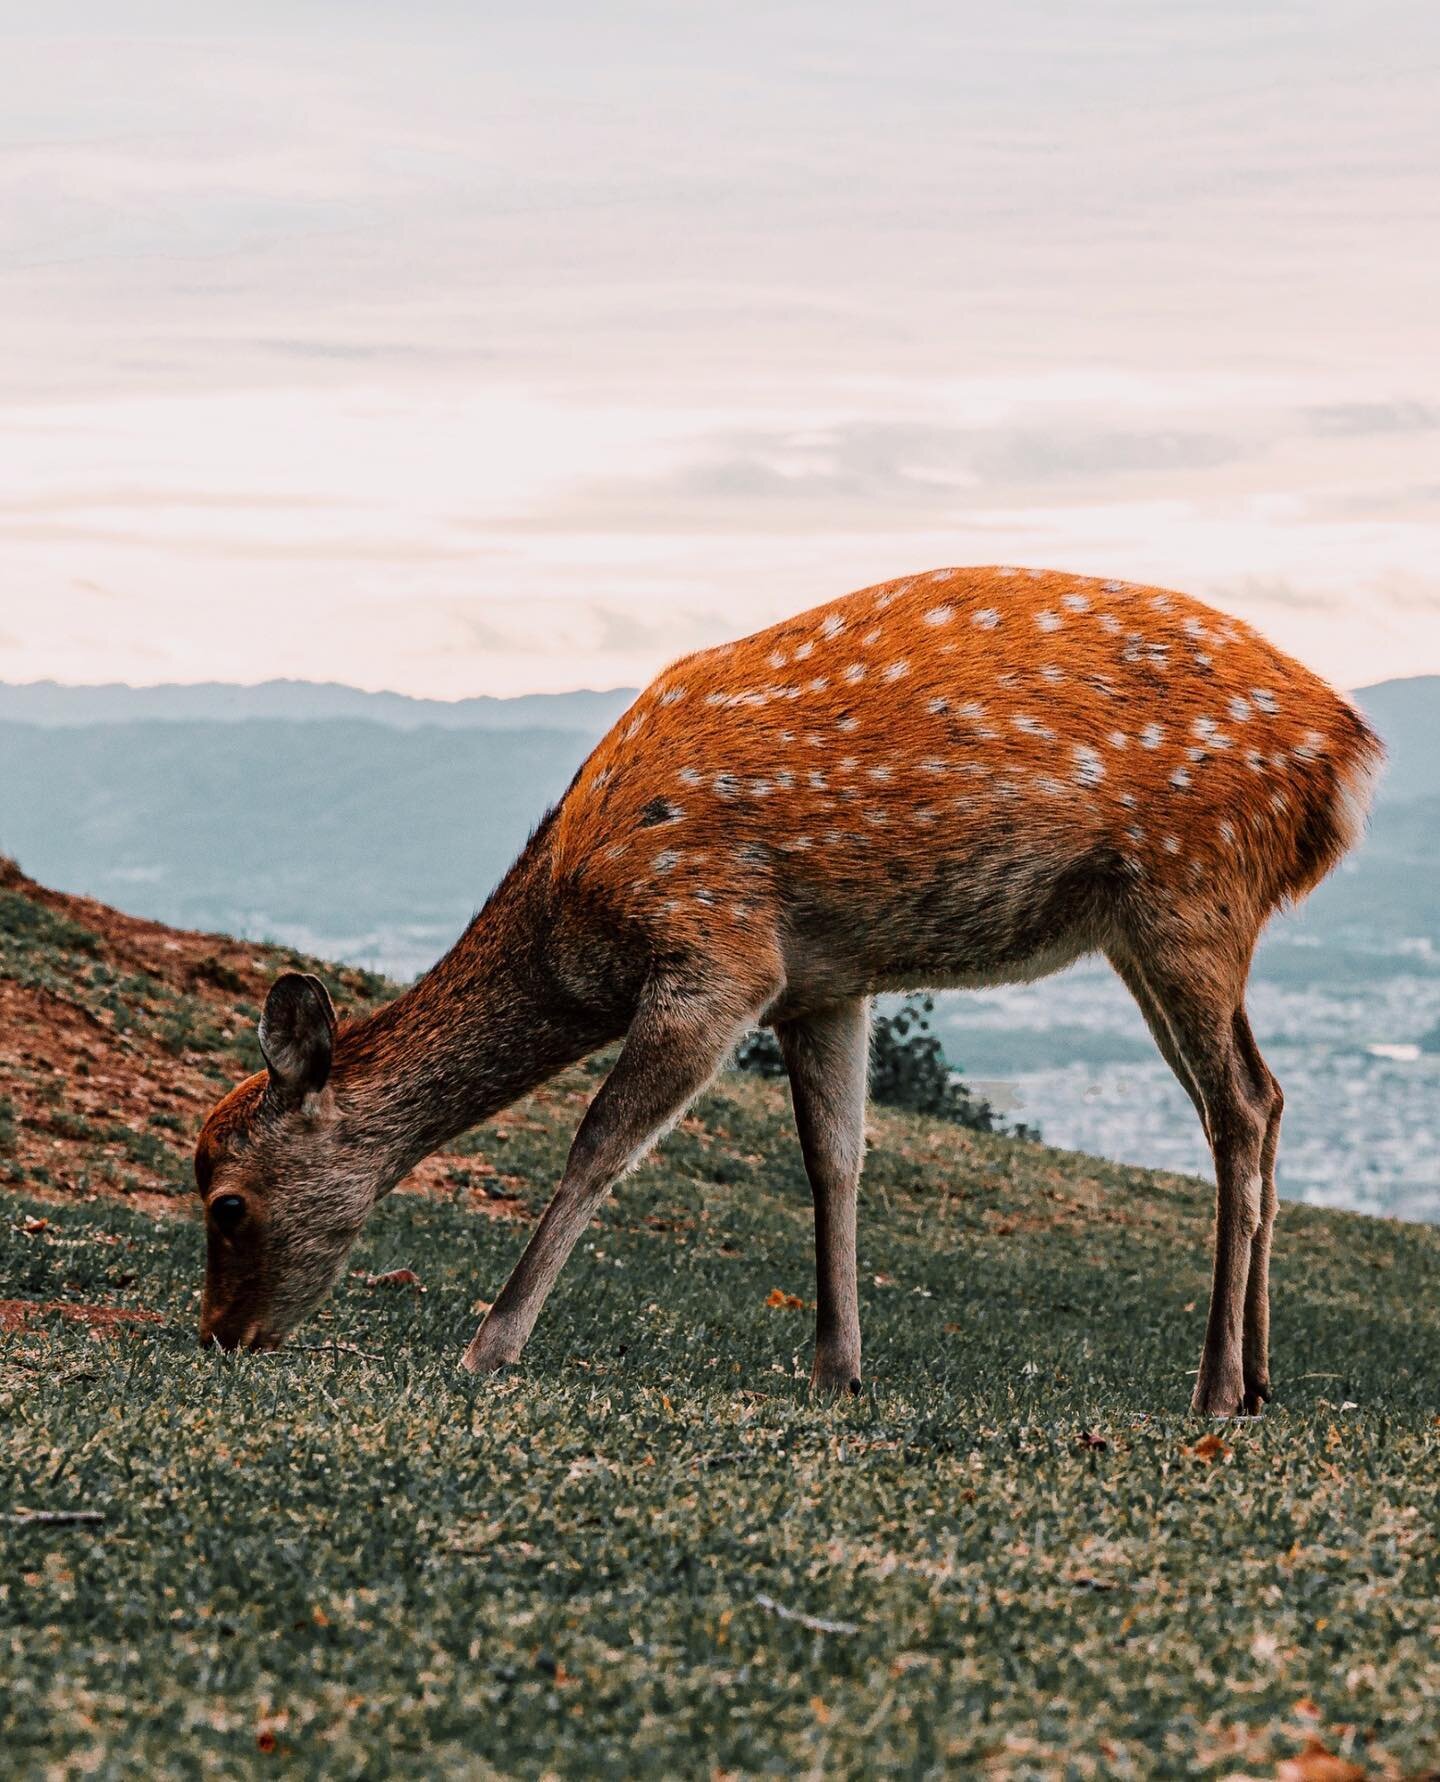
968,777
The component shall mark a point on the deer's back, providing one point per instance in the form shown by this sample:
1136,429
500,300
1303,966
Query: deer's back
962,776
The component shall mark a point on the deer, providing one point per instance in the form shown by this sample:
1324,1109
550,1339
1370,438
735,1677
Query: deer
962,778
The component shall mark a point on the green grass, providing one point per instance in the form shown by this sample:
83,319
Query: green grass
367,1564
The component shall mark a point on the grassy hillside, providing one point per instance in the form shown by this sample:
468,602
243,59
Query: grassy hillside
646,1553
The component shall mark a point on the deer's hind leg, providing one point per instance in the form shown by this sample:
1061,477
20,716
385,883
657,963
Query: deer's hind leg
1257,1290
1193,996
827,1057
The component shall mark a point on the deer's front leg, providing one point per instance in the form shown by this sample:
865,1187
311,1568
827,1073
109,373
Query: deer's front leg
676,1043
827,1056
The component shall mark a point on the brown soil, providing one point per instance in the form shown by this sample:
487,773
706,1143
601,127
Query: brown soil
15,1314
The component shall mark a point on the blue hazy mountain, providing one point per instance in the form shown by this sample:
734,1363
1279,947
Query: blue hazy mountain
49,703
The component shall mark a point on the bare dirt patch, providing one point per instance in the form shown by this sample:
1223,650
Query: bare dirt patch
16,1314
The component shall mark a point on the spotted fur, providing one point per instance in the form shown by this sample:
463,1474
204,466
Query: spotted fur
965,777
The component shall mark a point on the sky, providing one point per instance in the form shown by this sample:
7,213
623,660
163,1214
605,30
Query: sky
484,349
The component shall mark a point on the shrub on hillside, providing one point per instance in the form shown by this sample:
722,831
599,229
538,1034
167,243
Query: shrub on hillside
908,1068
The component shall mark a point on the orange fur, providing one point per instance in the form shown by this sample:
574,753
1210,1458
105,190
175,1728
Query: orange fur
945,714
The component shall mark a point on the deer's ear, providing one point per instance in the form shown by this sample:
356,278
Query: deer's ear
297,1033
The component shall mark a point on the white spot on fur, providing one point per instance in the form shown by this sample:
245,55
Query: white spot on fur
897,671
940,615
777,658
877,818
1113,587
847,723
672,695
937,708
1029,726
881,773
819,684
1265,701
855,672
1171,844
689,775
1119,740
1055,676
1227,831
666,860
1152,736
1161,602
833,626
817,780
1180,779
1111,624
803,651
1089,768
1076,603
1048,621
987,618
725,785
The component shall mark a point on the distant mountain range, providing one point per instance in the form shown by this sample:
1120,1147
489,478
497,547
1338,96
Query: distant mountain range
50,704
372,825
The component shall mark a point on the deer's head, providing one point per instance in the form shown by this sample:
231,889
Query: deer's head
286,1186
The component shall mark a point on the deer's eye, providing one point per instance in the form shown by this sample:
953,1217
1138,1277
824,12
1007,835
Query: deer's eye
227,1210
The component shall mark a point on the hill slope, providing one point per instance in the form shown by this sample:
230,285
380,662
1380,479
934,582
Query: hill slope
646,1554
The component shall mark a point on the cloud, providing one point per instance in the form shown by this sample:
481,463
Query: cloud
875,476
67,501
1356,420
596,628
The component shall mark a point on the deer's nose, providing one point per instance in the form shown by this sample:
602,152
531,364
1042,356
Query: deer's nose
216,1333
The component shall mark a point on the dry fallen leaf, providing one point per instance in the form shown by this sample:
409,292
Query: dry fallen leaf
1316,1764
1091,1438
1209,1448
779,1298
396,1277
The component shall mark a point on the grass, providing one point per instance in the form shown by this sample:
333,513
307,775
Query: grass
648,1554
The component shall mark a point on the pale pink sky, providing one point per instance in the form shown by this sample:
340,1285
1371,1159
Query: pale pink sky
425,349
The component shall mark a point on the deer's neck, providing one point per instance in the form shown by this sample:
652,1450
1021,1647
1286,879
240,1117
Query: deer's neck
483,1027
